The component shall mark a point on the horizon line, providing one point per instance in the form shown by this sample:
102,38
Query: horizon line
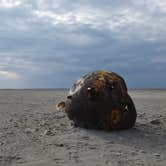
69,88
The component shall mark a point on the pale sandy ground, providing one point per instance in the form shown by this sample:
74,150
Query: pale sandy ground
33,133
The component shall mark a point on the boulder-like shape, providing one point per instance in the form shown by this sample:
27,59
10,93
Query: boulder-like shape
100,100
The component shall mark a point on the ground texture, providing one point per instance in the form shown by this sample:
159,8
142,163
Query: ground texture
33,133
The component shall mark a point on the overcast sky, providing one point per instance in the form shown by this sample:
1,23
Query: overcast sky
51,43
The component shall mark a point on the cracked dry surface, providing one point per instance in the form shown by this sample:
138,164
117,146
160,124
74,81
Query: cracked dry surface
33,133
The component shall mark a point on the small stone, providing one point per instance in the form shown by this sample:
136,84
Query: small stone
155,122
56,159
48,132
142,151
15,124
29,130
118,154
156,154
92,147
11,120
59,145
18,157
45,132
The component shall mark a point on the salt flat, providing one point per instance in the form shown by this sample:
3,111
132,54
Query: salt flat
33,133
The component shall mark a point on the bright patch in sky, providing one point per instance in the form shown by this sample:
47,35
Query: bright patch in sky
9,75
9,3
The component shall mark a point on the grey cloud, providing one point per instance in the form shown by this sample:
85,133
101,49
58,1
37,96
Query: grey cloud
126,37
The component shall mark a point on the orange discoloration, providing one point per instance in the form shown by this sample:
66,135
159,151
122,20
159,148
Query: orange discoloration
115,118
103,79
98,84
60,105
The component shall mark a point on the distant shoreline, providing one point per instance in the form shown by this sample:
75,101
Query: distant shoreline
147,89
66,89
39,89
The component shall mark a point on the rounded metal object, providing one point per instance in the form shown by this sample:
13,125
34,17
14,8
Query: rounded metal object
100,100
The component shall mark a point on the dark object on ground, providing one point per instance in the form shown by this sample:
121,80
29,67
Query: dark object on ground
155,122
100,100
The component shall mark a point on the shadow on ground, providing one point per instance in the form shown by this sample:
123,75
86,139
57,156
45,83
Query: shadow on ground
142,136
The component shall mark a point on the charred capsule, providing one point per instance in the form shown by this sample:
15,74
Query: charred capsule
100,100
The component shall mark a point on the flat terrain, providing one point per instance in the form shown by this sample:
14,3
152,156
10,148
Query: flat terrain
33,133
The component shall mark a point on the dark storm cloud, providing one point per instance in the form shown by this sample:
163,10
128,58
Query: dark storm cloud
50,43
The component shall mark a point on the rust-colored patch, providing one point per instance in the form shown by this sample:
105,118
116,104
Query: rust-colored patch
100,82
115,118
111,120
98,85
60,105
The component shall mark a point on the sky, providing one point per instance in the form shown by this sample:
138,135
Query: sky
51,43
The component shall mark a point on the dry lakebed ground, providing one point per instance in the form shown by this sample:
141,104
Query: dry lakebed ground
34,133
